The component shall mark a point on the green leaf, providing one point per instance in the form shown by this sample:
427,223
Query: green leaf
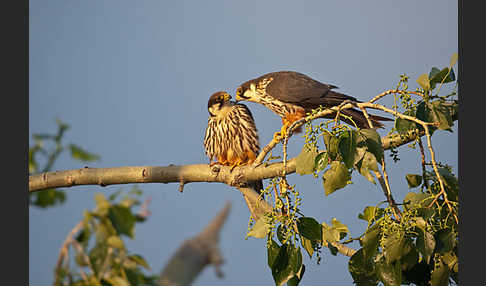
425,244
138,259
117,281
329,234
419,274
341,228
441,113
403,126
453,60
347,147
371,213
286,264
370,242
321,161
440,274
308,245
413,180
423,81
444,76
47,198
272,252
332,145
309,228
372,140
362,270
261,227
82,155
409,259
305,161
417,200
102,204
394,247
115,242
389,273
335,178
122,220
367,164
445,240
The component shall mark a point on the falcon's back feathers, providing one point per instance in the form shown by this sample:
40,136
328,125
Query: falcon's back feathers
286,91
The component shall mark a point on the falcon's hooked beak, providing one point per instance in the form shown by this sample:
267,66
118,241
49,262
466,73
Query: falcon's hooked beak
245,94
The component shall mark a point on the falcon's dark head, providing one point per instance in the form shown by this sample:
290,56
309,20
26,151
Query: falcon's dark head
249,92
217,101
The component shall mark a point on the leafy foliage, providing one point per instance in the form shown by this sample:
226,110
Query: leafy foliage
101,257
52,197
414,242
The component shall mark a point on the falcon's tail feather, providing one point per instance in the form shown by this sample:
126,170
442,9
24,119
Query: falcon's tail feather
360,120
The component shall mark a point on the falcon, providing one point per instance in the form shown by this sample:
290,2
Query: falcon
231,136
291,95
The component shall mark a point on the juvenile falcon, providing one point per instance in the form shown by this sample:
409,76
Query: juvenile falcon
291,95
231,135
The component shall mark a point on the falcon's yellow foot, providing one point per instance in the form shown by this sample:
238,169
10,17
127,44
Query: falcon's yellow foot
278,136
218,163
236,164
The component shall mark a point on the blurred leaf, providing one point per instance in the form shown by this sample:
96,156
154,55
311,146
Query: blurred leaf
347,147
425,244
122,220
261,227
336,177
84,236
115,242
102,204
423,81
413,180
117,281
139,260
309,228
82,155
47,198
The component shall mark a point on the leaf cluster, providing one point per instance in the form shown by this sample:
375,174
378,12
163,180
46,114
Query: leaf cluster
101,256
45,151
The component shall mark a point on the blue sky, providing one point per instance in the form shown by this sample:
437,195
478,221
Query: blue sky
132,79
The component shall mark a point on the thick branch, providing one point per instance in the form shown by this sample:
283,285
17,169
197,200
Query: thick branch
195,254
156,174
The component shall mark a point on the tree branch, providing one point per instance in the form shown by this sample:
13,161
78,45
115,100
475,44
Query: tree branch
195,254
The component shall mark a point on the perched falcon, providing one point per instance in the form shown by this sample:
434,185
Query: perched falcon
291,95
231,136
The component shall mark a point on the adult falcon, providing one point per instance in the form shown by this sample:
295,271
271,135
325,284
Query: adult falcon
231,135
291,95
